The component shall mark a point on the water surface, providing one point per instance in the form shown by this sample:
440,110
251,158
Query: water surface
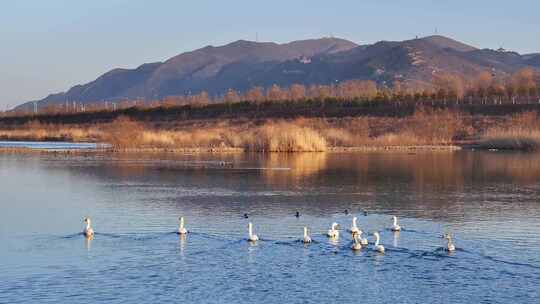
51,145
487,200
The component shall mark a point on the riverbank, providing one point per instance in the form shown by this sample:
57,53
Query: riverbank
423,130
408,149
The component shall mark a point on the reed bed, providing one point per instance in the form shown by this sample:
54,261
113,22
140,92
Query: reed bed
422,129
34,131
268,137
513,139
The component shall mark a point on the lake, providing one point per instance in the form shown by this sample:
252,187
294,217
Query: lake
487,200
51,145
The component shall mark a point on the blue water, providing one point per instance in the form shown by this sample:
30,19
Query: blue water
487,200
45,145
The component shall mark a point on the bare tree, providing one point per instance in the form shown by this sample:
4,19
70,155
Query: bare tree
275,93
297,92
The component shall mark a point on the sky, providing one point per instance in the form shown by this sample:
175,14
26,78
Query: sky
48,46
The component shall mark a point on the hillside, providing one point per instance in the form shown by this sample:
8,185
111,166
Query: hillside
244,64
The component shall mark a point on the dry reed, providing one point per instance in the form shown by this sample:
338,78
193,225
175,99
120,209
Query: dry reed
424,128
514,139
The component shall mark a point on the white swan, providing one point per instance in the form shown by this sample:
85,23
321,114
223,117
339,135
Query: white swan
395,226
450,245
363,241
307,238
88,231
356,245
252,237
181,228
379,248
354,228
333,232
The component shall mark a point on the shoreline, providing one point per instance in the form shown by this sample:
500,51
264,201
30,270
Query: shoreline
424,148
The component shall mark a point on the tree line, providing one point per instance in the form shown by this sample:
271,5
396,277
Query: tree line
522,86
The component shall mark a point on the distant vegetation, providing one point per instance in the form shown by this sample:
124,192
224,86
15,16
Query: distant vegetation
493,113
426,127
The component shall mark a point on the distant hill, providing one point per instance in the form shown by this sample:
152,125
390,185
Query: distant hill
244,64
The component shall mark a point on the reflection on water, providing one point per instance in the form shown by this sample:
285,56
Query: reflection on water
396,234
488,201
301,165
88,242
183,242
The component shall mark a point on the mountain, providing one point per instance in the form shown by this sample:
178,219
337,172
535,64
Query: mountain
243,64
532,59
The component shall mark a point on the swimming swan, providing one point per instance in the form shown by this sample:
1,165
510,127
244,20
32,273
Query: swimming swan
333,232
252,237
379,248
88,231
181,229
354,228
363,241
396,227
307,238
450,245
356,245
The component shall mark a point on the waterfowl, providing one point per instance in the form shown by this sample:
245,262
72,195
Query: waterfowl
395,226
297,214
307,238
356,245
88,231
252,237
378,248
363,241
181,229
346,211
333,232
450,244
365,212
246,215
354,228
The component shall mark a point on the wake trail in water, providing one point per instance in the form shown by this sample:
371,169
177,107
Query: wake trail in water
494,259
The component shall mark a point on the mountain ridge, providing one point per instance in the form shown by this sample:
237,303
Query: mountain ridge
243,64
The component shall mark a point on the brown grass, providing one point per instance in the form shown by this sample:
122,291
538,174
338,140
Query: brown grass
424,128
269,137
297,135
34,131
521,132
285,137
514,139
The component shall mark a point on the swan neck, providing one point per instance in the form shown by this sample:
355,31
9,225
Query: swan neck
305,232
250,229
395,221
354,222
376,240
181,222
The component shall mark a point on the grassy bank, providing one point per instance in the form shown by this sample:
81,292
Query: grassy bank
514,139
424,128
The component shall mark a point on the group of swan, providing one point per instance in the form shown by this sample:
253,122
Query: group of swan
333,233
359,242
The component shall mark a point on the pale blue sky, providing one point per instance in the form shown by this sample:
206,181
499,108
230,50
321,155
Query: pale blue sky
50,45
